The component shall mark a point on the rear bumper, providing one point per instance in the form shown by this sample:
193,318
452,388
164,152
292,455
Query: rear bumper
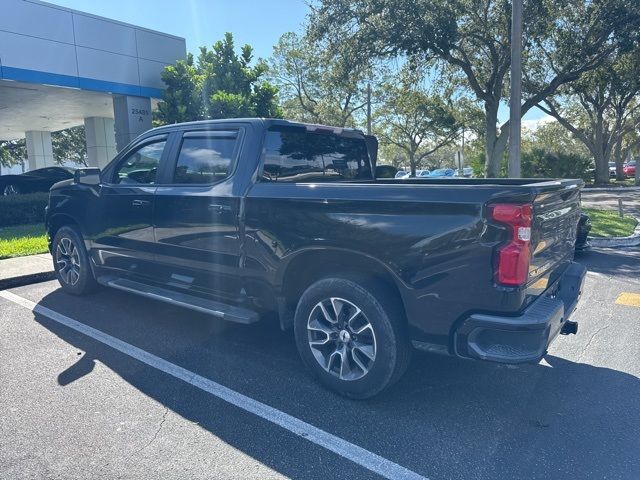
526,337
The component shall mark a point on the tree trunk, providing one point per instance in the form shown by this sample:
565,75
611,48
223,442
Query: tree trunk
619,159
601,151
495,141
602,167
412,163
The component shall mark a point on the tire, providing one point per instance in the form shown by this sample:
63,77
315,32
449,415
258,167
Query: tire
71,262
10,189
376,343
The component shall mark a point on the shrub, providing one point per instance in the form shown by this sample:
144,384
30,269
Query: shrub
538,163
476,162
22,209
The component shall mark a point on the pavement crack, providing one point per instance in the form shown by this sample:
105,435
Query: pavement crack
596,333
155,435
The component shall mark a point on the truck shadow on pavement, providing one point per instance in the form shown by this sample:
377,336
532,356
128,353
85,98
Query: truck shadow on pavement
447,418
620,262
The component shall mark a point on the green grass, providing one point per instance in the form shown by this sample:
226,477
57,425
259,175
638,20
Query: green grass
22,240
607,223
613,183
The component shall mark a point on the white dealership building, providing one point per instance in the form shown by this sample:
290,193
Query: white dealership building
61,68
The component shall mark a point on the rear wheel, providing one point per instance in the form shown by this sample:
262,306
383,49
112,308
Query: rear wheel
351,335
71,262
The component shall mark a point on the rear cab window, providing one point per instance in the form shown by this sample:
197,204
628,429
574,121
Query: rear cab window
295,154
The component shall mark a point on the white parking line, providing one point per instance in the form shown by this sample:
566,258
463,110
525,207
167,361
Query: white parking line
337,445
597,274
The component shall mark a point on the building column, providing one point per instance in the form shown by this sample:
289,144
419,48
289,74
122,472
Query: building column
132,117
39,149
101,141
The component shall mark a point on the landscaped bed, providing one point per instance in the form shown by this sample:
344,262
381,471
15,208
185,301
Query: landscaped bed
607,223
19,240
627,182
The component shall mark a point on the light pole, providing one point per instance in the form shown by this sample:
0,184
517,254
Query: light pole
515,100
369,108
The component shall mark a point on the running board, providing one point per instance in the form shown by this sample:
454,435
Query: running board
230,313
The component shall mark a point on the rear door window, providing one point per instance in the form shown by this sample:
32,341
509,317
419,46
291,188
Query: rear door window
293,154
205,159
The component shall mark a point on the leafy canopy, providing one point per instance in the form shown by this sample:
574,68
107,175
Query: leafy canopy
220,84
415,119
321,83
602,111
469,41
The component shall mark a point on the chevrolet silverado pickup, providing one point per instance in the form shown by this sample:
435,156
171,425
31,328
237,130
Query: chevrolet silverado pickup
246,218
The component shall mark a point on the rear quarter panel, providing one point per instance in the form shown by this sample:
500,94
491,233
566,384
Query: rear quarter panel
435,241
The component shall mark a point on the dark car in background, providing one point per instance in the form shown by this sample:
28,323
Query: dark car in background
40,180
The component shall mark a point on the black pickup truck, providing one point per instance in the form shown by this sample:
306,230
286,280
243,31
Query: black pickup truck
247,217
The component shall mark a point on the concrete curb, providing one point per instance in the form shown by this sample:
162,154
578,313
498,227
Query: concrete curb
630,241
611,189
13,282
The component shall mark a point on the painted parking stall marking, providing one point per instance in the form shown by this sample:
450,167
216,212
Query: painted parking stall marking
364,458
629,299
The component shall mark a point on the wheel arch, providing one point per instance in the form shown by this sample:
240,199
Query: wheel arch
57,221
310,265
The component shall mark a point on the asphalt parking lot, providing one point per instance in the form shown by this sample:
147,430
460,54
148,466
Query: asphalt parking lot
609,200
116,386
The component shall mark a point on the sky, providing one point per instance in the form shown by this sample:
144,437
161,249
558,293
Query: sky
202,22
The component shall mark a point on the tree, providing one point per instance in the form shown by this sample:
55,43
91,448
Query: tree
415,120
222,84
553,152
469,41
12,152
70,145
538,162
318,84
602,111
554,138
182,101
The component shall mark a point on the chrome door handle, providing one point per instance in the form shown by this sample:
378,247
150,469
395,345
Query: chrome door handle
219,208
140,203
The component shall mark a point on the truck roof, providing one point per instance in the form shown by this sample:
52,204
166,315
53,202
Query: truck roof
263,122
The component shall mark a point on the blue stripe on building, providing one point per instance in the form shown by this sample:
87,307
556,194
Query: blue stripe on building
46,78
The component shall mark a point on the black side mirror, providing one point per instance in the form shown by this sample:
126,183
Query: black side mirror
87,176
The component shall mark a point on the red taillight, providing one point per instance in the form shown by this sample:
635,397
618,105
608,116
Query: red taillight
513,258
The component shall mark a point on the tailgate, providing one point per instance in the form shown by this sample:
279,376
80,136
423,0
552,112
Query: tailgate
553,236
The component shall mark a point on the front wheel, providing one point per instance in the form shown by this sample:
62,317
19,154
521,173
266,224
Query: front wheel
71,262
352,336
